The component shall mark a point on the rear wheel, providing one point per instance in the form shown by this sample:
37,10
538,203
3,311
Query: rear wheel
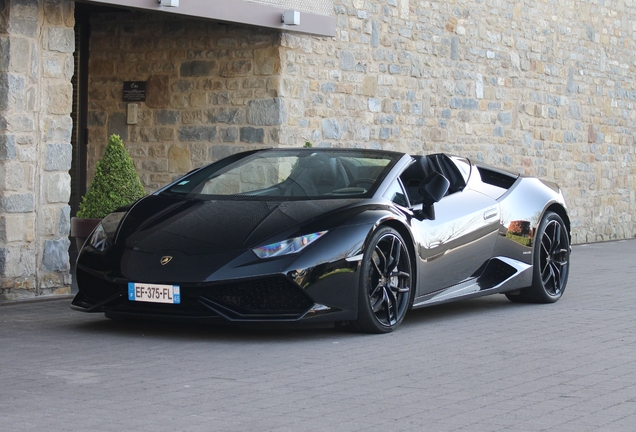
551,263
386,283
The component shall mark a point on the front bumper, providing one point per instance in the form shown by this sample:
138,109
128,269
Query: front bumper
271,298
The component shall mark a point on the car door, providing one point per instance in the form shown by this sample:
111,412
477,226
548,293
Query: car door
460,238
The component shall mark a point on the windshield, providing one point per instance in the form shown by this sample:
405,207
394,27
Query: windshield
289,174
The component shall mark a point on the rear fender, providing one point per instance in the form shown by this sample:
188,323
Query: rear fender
522,209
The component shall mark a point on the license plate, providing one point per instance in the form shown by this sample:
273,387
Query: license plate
154,293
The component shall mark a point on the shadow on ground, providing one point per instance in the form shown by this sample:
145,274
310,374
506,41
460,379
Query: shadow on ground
438,315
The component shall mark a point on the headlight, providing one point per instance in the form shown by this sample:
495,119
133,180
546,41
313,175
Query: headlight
286,247
104,234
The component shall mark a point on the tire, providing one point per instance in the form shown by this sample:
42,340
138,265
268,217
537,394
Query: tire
385,291
551,263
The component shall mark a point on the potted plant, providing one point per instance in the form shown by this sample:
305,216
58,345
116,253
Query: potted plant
116,184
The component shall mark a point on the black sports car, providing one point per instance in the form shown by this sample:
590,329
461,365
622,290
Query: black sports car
348,236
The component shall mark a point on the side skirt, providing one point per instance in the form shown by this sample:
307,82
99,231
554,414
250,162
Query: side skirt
502,274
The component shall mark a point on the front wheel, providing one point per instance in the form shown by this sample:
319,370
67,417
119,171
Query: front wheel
551,263
386,282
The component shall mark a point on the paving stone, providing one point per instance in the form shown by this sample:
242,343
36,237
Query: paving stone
477,365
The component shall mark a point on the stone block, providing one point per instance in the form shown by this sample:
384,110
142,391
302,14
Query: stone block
69,67
59,98
12,92
157,151
52,67
23,16
505,118
19,58
48,219
64,224
230,134
57,186
158,91
267,61
197,133
575,110
459,103
165,134
7,147
226,115
21,123
58,157
97,118
19,203
191,117
252,135
101,67
183,86
61,39
155,166
179,160
5,49
198,100
199,153
13,228
15,262
330,129
375,34
117,125
55,256
236,68
12,176
375,105
53,12
166,117
266,112
347,61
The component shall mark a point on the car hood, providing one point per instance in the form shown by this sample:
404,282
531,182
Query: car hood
198,227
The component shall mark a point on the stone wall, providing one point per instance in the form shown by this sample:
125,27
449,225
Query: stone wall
544,88
212,90
36,47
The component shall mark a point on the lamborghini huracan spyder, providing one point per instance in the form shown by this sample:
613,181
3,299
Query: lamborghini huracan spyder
350,236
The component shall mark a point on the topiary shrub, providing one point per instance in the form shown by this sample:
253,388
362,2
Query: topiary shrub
116,182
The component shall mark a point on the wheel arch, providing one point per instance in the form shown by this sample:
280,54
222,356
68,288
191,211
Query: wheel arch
560,210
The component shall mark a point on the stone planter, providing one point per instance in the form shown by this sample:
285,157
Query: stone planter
81,228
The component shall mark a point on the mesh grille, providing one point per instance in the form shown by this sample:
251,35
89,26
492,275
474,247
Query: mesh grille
262,296
321,7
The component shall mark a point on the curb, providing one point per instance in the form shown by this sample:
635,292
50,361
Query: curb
36,299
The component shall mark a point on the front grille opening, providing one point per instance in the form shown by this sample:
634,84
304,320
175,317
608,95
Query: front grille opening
275,296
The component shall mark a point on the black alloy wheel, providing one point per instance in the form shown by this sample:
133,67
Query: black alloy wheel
386,283
551,263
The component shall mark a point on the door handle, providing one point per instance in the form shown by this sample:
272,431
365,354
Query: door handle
491,213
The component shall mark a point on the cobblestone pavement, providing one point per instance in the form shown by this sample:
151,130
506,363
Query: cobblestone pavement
477,365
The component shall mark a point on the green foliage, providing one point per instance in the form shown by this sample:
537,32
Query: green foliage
116,182
525,241
308,145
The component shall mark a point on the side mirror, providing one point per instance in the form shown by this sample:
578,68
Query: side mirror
433,188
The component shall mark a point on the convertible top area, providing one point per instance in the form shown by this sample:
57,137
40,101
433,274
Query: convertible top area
290,174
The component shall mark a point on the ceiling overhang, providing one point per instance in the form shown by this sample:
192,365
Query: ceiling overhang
233,11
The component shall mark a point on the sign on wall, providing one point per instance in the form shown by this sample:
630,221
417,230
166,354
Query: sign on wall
134,91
